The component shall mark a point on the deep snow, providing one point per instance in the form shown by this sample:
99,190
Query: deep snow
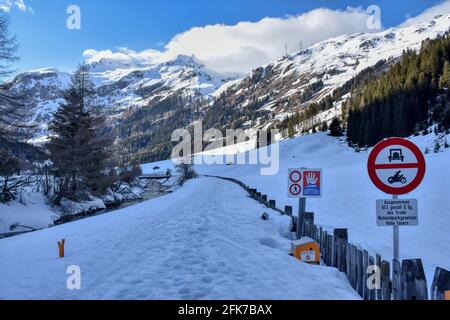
204,241
349,196
207,241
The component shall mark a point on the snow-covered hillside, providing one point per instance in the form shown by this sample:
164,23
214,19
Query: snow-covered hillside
349,196
333,62
204,241
207,240
118,86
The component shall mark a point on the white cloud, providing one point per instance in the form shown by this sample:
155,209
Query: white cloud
430,13
241,47
246,45
7,5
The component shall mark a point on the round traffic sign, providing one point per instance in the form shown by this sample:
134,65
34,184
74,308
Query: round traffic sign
295,189
396,166
295,176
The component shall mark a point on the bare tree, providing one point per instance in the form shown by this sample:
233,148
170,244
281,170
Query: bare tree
8,47
12,113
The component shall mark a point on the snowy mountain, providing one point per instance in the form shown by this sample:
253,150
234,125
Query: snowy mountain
119,86
287,85
147,102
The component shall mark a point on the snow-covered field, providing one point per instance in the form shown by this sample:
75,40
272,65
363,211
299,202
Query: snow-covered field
204,241
207,241
349,196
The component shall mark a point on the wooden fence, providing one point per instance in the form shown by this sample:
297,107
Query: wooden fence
373,277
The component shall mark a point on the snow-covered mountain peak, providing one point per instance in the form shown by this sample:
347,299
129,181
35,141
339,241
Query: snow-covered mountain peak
328,65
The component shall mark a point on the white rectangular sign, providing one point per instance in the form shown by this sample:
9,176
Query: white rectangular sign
308,256
403,211
305,183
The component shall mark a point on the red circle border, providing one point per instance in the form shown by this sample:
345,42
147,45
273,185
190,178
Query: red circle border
407,144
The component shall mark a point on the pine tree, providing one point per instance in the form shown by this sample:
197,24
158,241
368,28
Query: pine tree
335,128
437,146
77,149
291,130
444,81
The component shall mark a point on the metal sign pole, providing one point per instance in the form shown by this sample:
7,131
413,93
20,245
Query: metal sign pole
301,216
396,262
396,238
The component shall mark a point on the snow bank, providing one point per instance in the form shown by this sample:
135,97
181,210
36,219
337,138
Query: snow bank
35,212
349,196
204,241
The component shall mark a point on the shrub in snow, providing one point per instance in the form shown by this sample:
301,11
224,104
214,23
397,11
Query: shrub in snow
130,174
9,166
70,207
129,192
185,172
111,197
437,147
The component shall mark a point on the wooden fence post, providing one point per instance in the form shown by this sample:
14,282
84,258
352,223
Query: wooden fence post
341,238
378,264
325,247
320,238
294,224
414,282
309,222
360,272
441,283
315,230
330,249
365,257
354,274
396,270
272,204
372,295
386,280
348,261
264,198
287,209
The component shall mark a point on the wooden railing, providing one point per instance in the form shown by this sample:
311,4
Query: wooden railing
373,277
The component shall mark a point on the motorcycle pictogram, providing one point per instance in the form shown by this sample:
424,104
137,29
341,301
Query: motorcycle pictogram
398,177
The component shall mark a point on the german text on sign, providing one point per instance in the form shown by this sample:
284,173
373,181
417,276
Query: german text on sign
403,212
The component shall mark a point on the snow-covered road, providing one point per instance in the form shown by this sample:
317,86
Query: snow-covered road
204,241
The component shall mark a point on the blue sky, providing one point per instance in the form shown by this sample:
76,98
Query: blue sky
139,25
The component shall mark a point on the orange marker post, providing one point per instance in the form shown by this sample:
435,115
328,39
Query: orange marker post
61,248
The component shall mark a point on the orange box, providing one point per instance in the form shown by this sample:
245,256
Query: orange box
447,295
306,250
